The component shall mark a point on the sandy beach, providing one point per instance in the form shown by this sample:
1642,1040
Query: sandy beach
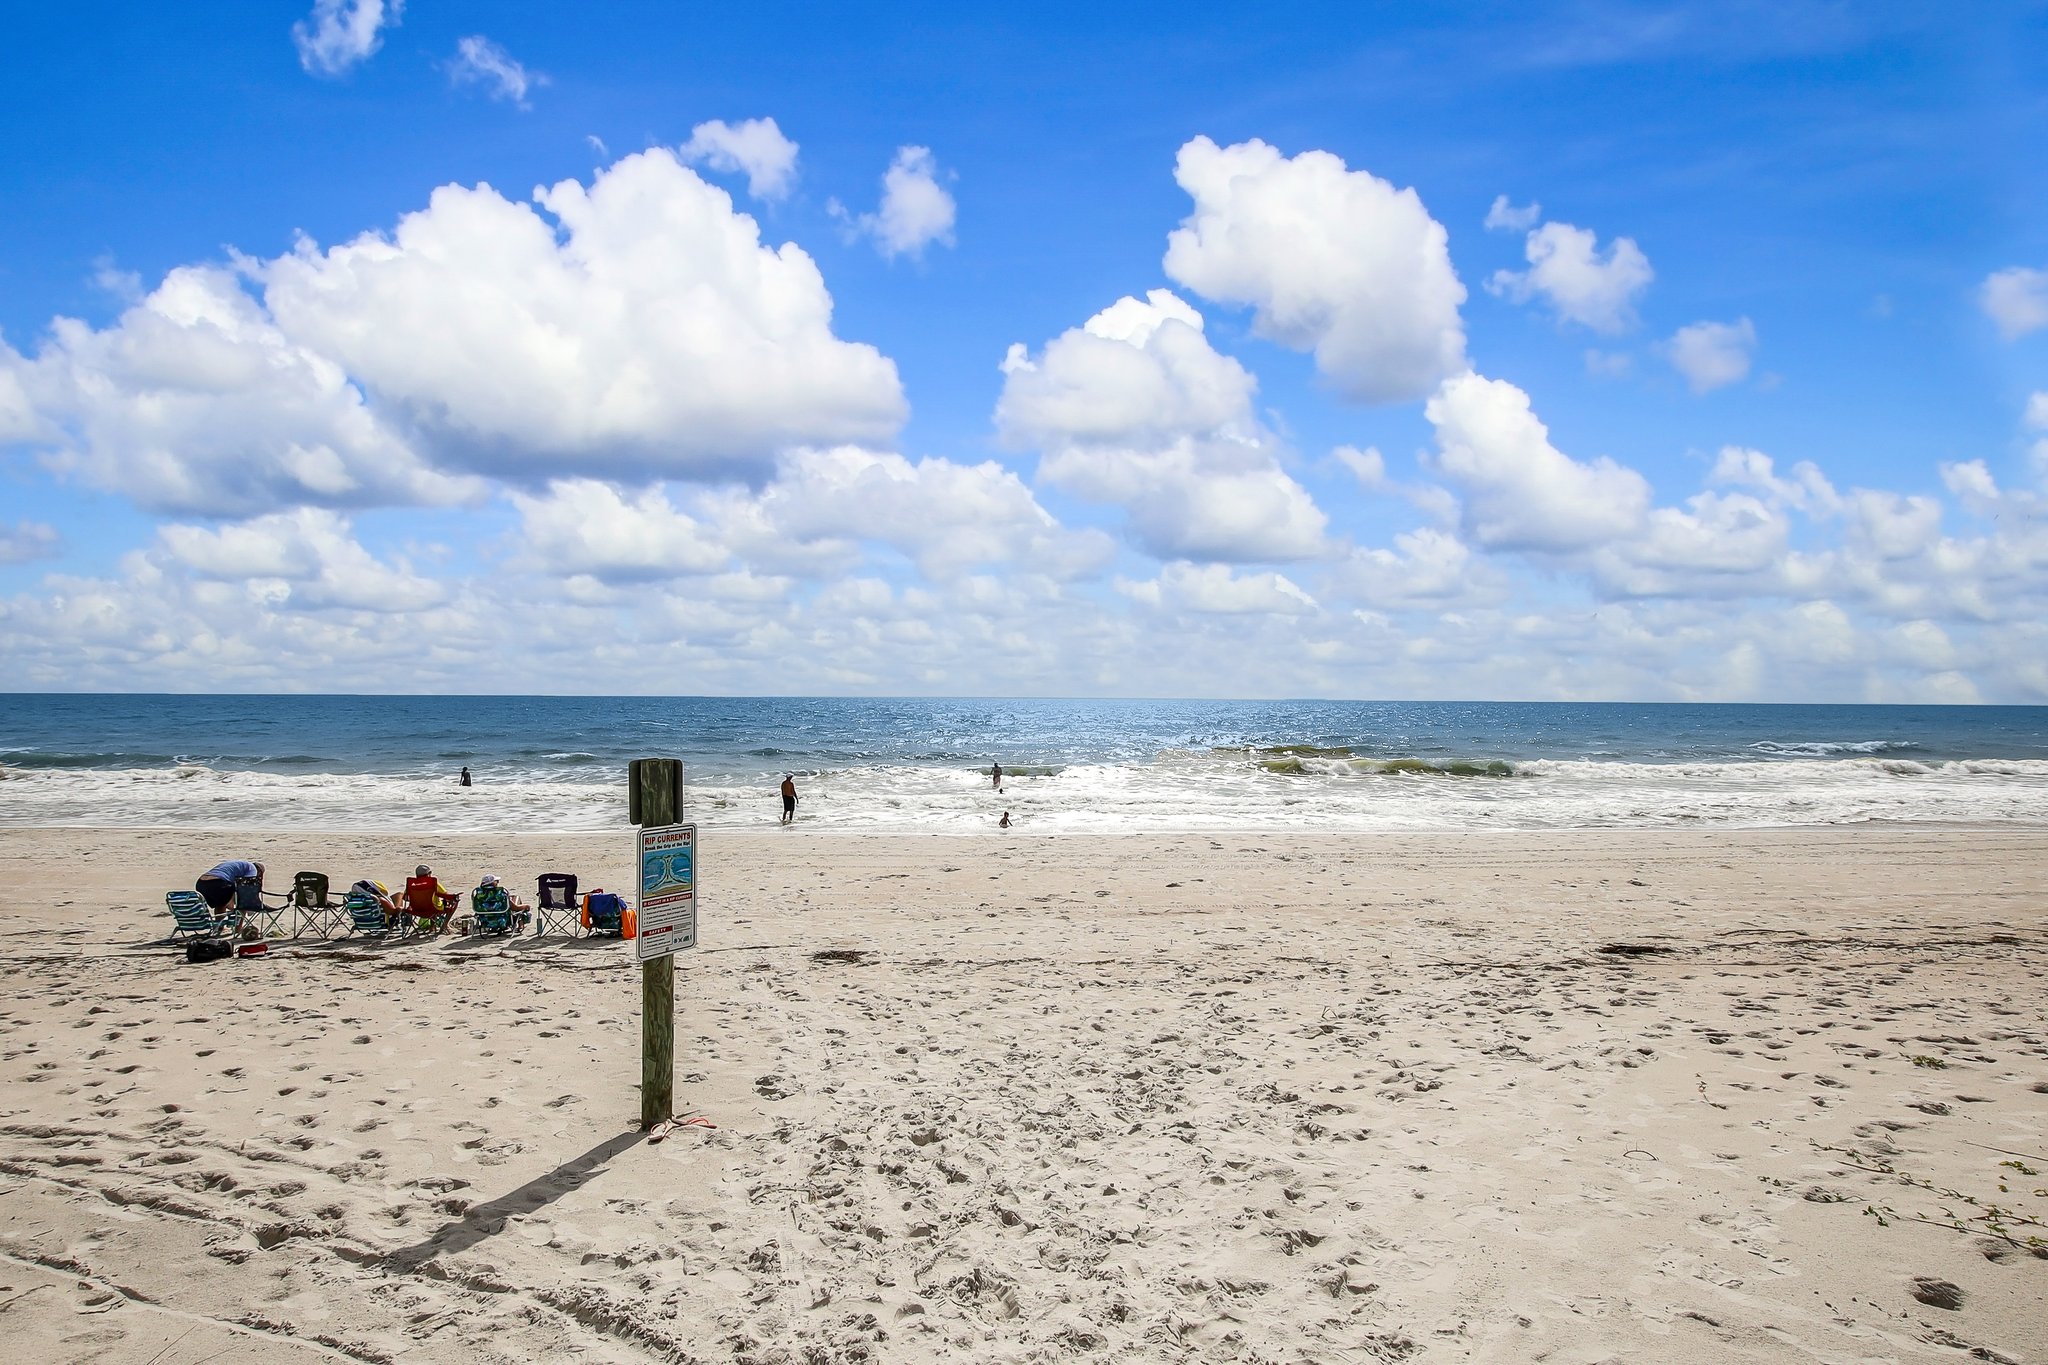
1180,1098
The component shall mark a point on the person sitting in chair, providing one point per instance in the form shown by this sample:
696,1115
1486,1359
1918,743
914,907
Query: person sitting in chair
426,898
389,903
517,906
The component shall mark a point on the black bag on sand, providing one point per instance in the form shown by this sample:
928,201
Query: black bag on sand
208,950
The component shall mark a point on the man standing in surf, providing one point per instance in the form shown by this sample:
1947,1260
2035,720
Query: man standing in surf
789,798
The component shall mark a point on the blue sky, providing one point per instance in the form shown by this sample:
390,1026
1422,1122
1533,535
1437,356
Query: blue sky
1840,202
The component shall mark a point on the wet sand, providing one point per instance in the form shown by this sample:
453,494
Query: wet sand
1005,1098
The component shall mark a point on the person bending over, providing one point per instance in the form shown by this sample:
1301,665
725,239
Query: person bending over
216,885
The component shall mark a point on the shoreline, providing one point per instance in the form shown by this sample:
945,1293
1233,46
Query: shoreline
1308,1096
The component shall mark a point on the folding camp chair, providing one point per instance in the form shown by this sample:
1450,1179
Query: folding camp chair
426,902
490,908
193,918
249,905
315,910
366,918
604,913
555,911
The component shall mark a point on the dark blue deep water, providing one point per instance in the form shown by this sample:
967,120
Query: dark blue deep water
524,738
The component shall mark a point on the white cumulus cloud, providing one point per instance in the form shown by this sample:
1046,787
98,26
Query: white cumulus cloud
754,147
1519,490
195,401
2016,299
1212,589
340,34
28,540
18,418
916,210
640,326
633,328
309,555
944,515
1425,568
1135,408
1806,488
1584,285
811,519
1139,372
479,61
1712,355
2036,421
1503,216
1713,534
584,526
1331,260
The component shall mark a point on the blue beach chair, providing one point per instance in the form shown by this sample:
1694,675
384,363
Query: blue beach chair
604,913
249,905
192,917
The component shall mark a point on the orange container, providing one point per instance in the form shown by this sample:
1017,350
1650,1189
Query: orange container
631,923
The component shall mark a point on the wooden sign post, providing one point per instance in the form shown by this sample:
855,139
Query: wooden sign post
655,797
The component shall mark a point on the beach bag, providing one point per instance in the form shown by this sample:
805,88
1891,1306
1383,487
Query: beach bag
208,950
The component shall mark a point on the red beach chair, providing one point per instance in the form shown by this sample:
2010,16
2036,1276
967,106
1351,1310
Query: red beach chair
425,900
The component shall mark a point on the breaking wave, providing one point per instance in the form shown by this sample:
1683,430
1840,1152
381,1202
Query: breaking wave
1820,748
1288,787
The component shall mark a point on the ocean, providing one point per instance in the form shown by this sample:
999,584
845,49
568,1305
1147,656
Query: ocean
558,763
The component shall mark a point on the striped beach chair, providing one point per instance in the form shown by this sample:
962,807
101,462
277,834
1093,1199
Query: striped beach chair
366,918
192,918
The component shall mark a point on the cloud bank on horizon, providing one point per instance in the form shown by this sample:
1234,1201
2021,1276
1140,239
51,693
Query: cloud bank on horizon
614,436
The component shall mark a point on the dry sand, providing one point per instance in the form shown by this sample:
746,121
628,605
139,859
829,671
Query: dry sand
1250,1097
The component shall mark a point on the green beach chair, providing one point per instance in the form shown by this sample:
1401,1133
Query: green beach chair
193,919
490,909
366,918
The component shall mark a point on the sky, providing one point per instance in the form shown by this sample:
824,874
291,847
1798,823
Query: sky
1598,350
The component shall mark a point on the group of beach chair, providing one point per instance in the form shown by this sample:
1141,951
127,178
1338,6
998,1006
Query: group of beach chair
424,909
